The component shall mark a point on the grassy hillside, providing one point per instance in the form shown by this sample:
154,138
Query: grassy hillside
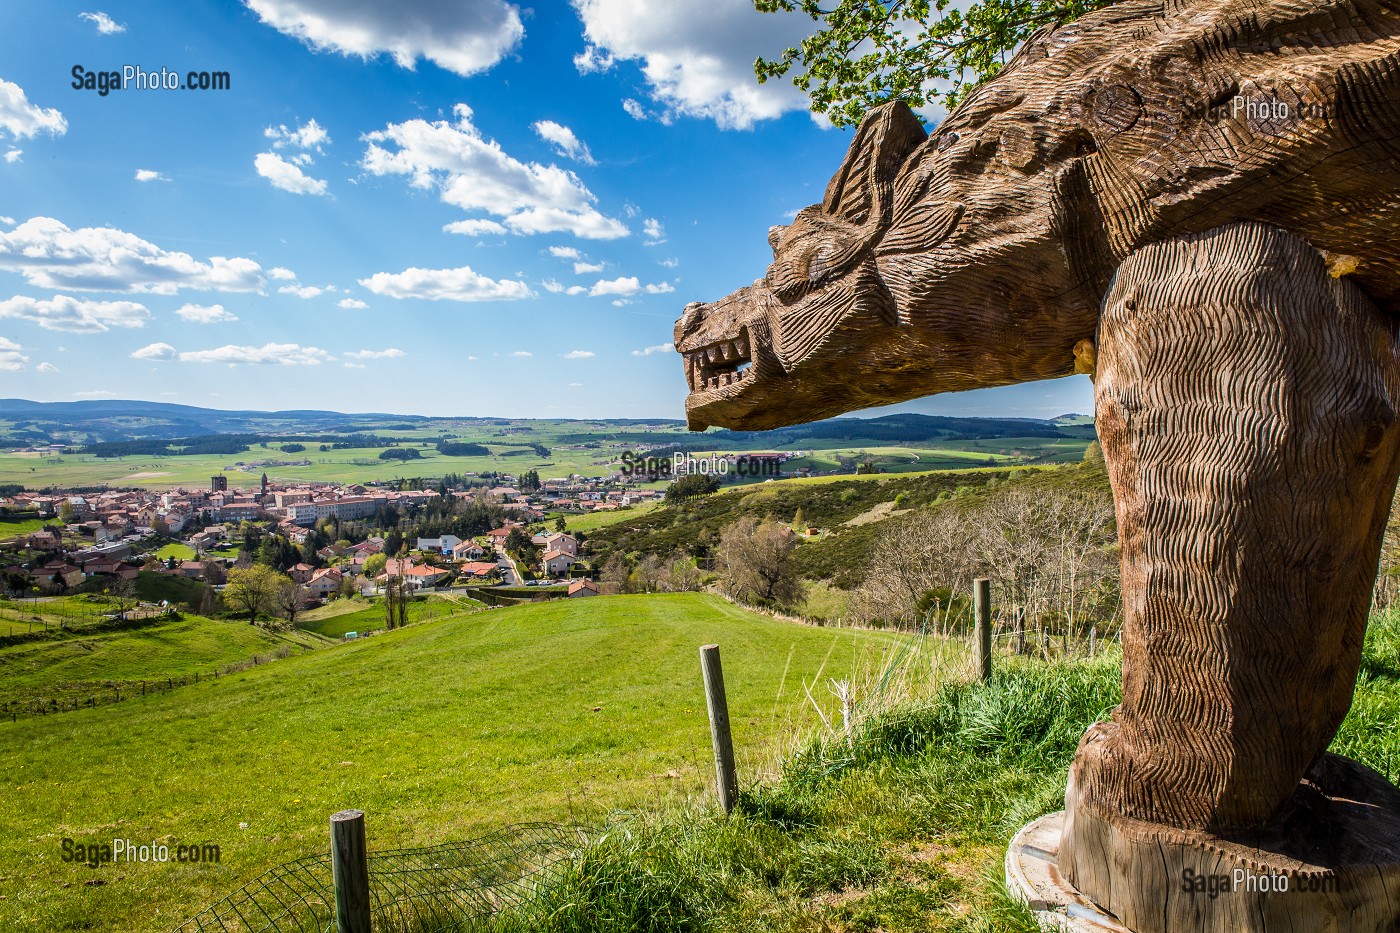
68,665
902,824
439,731
849,511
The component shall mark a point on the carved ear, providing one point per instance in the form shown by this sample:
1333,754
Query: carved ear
859,194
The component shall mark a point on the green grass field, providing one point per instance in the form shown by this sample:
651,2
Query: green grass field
439,731
176,550
592,521
361,615
67,666
509,453
24,526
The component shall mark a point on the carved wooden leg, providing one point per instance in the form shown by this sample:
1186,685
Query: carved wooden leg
1246,403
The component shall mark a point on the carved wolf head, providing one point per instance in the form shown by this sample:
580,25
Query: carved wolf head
980,256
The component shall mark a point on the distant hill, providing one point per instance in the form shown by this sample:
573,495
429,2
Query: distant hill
24,422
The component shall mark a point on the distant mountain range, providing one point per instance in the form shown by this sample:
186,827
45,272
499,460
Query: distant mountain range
24,423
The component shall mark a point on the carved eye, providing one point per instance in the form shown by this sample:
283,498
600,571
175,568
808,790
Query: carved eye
775,236
819,262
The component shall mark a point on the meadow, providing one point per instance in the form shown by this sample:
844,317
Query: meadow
585,448
441,730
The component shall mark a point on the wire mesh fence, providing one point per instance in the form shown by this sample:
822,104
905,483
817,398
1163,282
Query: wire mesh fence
476,885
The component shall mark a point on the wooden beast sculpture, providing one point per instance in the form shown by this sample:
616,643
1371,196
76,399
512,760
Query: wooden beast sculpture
1199,204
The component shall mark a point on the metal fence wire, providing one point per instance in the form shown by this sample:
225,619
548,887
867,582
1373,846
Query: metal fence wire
457,886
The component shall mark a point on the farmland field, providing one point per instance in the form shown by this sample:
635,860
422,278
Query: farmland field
439,731
553,448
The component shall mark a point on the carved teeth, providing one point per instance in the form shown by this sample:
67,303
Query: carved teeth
713,354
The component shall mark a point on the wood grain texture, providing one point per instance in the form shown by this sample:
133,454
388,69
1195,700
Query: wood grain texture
980,255
1246,403
1227,173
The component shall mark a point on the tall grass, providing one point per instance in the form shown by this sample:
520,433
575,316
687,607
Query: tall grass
896,818
893,819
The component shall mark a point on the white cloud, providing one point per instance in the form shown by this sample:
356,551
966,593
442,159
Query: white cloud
104,23
62,312
95,393
579,355
550,285
392,353
11,359
22,119
158,352
50,255
281,354
478,227
353,365
46,368
278,272
461,284
310,135
463,37
565,142
205,314
301,291
565,252
473,173
522,353
653,231
697,57
593,60
285,175
351,304
658,348
7,221
14,155
670,263
634,110
627,286
583,268
146,174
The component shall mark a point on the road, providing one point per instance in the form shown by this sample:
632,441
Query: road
508,569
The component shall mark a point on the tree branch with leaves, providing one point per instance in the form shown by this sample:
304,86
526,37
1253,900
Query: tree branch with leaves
869,52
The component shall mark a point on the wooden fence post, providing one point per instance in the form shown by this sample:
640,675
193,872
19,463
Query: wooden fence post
718,707
982,607
350,871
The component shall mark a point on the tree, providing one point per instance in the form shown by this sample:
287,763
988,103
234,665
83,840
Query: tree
755,563
123,594
682,576
395,602
252,589
289,599
65,512
689,487
559,524
530,480
616,576
374,565
868,52
394,542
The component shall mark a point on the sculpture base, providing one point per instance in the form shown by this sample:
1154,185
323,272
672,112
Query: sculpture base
1330,862
1033,879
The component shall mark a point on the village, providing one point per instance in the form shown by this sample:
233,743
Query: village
92,541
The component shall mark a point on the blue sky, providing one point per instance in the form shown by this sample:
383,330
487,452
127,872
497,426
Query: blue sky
433,207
